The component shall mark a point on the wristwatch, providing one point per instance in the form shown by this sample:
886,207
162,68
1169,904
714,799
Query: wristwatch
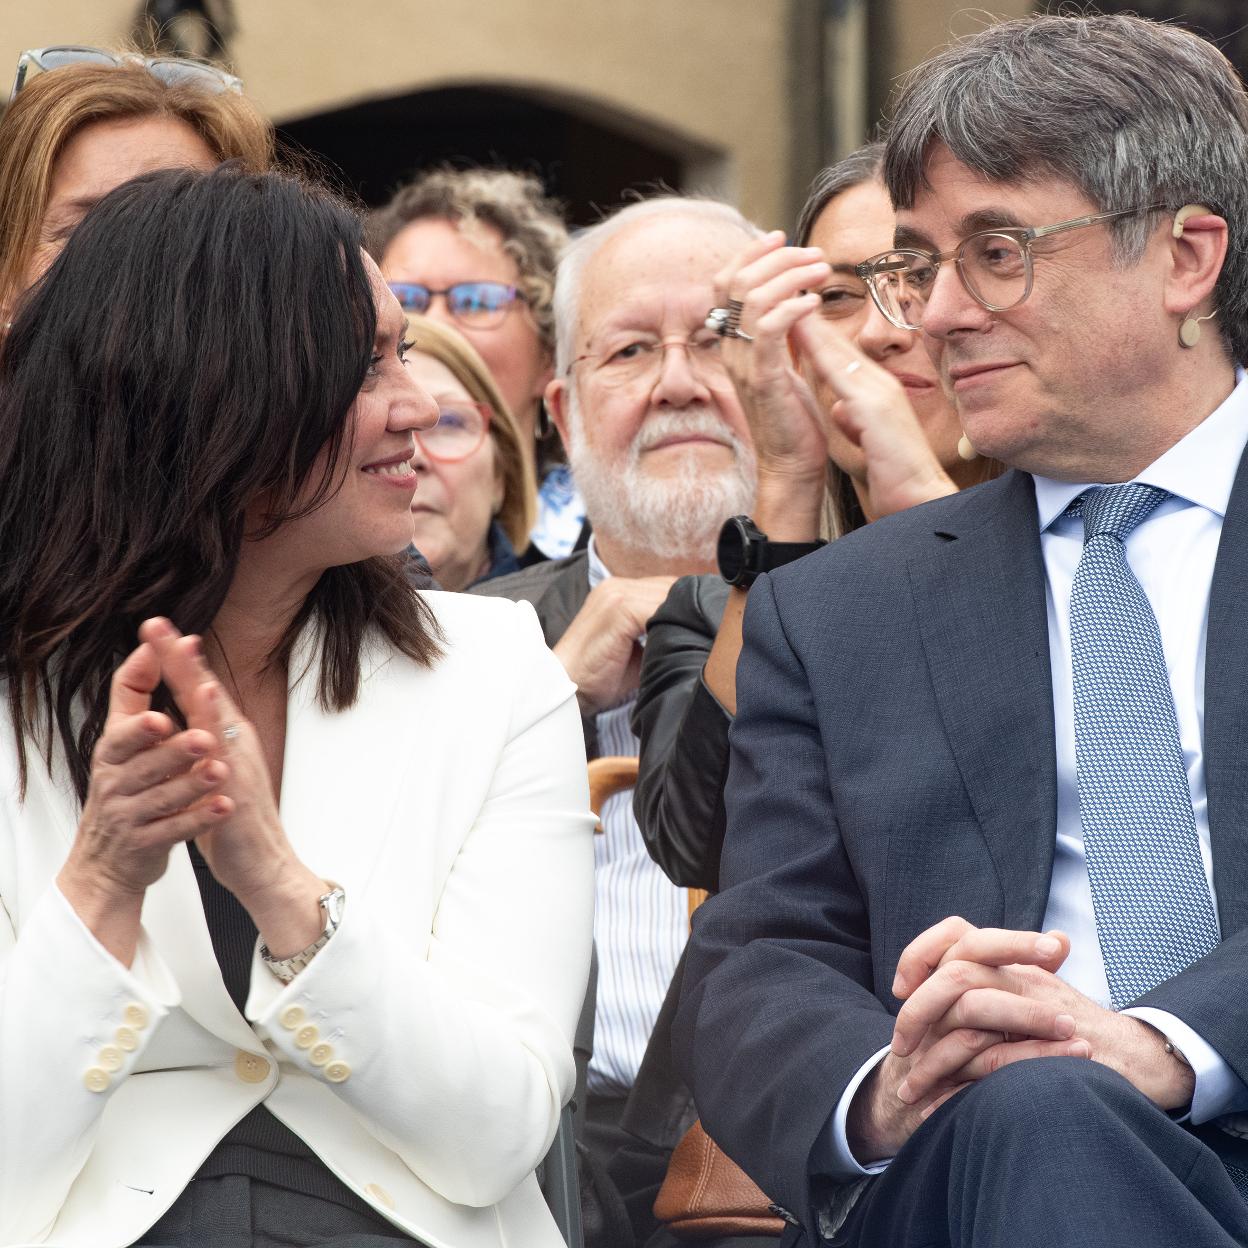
745,552
286,969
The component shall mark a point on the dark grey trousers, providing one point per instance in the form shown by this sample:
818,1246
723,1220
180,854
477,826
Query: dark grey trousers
236,1212
1057,1151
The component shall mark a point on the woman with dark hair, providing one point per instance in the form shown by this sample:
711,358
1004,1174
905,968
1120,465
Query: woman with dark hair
295,864
849,422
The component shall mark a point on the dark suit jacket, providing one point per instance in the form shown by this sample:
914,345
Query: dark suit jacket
892,764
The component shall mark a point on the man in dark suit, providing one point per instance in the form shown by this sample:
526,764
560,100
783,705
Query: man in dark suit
976,973
662,456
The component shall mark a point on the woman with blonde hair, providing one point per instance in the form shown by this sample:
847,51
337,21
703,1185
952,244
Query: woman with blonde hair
476,249
81,121
476,501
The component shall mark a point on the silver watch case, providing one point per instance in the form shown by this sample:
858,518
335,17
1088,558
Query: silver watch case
332,903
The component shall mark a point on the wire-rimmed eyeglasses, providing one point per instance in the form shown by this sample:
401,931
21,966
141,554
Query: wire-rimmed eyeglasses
173,71
460,431
636,359
996,268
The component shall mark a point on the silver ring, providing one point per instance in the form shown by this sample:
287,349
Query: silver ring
230,732
853,366
726,322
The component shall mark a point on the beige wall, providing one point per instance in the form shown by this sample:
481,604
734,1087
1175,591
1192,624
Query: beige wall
709,76
732,86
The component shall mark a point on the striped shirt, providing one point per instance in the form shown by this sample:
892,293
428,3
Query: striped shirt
641,919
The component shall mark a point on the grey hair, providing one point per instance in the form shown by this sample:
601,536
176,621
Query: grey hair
582,249
860,166
1130,111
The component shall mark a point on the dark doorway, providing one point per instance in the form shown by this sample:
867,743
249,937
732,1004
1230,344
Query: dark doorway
587,163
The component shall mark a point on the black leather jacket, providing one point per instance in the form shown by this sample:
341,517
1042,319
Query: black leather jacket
679,798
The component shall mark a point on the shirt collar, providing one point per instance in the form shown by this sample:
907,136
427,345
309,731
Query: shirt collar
1199,468
597,569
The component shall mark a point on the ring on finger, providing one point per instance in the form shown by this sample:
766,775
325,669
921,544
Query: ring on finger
852,367
726,322
230,732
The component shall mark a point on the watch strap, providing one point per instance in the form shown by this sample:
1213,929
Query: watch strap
287,968
777,554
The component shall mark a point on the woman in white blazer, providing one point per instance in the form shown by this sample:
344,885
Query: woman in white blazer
295,861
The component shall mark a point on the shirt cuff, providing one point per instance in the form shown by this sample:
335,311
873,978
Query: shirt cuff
834,1152
1218,1090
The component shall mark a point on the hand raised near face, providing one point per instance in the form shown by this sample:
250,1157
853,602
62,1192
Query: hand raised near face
772,282
874,413
151,786
600,650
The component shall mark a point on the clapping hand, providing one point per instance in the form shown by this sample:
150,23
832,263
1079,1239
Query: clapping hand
151,787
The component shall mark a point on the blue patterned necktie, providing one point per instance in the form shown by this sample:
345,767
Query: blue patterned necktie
1154,914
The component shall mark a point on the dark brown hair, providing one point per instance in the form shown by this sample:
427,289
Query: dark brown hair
189,354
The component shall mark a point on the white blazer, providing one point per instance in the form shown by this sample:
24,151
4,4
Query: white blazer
426,1051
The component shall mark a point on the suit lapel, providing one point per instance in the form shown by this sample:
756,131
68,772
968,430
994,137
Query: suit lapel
980,598
1226,712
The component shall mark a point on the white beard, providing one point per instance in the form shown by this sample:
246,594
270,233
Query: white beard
676,517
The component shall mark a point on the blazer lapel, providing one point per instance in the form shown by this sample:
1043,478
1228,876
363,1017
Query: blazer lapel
980,597
1226,712
347,775
173,917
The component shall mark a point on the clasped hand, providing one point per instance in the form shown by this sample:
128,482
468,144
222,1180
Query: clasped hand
977,999
153,786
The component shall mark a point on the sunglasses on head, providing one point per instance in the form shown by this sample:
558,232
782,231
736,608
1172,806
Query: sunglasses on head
479,304
173,71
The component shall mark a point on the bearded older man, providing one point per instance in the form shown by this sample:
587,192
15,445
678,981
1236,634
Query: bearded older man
660,449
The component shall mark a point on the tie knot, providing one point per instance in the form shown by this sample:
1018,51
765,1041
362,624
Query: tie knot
1115,510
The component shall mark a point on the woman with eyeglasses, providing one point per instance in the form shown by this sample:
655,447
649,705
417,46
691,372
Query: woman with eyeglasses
476,249
81,121
296,873
850,423
475,501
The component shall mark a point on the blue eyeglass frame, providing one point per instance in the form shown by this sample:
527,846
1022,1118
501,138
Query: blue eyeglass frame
511,295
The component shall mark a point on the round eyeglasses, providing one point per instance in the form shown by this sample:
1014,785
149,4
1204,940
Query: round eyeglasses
996,268
479,305
460,431
637,360
173,71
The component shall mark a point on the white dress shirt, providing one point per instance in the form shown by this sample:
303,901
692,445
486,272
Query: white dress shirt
1172,554
641,919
